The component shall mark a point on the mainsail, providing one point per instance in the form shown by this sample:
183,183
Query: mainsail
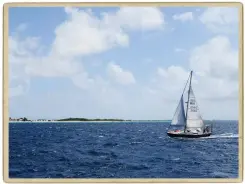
194,119
179,116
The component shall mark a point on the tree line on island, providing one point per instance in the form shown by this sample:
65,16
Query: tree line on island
67,119
86,119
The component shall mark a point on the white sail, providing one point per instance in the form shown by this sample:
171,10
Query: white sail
179,116
194,119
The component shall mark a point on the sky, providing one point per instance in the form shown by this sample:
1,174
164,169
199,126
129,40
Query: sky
122,62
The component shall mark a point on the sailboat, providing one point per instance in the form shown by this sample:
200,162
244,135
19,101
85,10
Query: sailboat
188,123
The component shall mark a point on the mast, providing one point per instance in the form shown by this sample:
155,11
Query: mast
188,97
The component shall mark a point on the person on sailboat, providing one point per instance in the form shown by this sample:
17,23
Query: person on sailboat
207,129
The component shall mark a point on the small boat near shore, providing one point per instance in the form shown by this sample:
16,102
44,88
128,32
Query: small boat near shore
188,123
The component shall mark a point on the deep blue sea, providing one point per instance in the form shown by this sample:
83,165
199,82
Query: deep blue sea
120,150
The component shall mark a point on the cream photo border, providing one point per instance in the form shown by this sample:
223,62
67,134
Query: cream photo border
116,4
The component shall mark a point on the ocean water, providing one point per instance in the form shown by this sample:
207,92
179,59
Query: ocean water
120,150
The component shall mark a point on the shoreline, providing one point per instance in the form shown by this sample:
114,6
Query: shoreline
133,121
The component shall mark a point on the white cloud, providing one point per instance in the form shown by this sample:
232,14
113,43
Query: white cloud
81,34
144,18
215,58
187,16
91,34
173,72
22,48
179,50
82,80
16,91
19,84
20,51
120,75
53,67
220,19
171,81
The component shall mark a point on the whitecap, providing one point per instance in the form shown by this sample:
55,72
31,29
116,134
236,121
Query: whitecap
175,159
220,174
136,142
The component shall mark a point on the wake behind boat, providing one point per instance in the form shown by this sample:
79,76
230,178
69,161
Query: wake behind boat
188,123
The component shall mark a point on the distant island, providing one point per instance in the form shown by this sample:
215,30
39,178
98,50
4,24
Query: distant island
70,119
85,119
65,119
24,119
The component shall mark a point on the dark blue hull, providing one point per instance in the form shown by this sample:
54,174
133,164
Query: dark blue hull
188,135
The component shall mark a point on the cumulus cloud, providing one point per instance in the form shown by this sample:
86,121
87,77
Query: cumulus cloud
91,34
81,34
220,19
176,73
119,75
21,52
140,18
179,50
220,62
183,17
170,81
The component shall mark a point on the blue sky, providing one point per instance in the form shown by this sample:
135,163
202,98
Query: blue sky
122,62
